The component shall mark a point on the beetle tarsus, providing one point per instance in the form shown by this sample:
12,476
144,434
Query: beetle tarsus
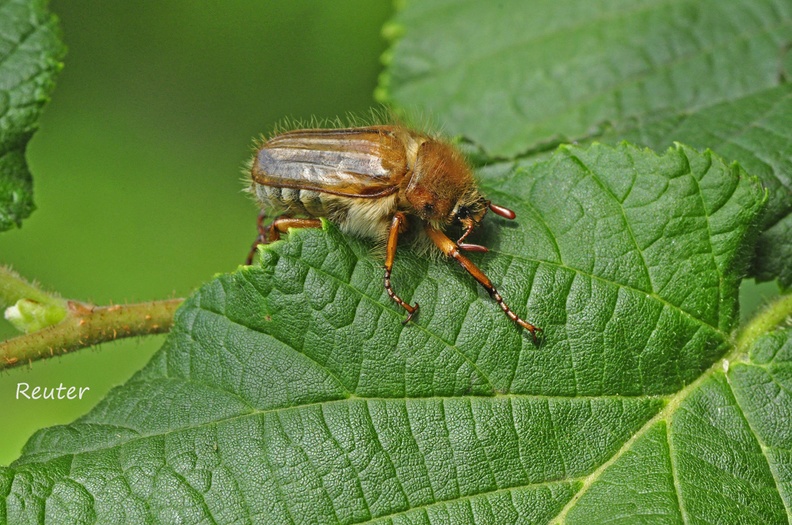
411,310
511,315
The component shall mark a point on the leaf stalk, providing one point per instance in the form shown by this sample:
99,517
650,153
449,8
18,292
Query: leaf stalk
86,325
773,315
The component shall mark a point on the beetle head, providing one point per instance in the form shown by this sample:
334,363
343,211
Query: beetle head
442,189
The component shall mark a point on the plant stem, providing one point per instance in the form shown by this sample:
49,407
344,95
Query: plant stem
773,315
86,325
13,288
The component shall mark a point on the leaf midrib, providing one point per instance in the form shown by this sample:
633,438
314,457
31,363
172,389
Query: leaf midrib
37,456
673,403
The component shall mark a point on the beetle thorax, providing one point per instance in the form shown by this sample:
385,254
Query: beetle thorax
439,180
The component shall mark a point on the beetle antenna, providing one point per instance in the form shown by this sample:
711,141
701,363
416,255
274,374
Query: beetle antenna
503,212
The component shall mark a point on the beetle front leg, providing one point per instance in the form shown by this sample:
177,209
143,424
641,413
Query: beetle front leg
467,246
398,224
450,249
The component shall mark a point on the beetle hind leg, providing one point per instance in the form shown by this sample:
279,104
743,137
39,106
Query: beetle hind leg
282,224
261,238
272,233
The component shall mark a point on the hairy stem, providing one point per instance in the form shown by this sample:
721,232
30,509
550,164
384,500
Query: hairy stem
13,288
774,314
86,325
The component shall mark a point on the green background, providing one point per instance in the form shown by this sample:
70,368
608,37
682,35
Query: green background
138,162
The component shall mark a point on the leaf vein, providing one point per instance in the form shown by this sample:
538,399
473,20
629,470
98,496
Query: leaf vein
762,445
430,333
274,476
376,439
672,464
468,498
626,223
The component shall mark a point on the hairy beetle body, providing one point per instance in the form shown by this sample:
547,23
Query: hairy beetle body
373,182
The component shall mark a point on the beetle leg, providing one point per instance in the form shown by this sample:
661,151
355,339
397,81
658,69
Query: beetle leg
282,225
469,224
273,232
449,247
470,247
398,224
260,239
468,229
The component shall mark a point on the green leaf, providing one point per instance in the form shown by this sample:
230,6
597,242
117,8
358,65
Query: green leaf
518,75
292,393
753,130
774,254
30,53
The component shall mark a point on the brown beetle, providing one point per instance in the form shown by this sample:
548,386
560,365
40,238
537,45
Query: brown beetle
370,181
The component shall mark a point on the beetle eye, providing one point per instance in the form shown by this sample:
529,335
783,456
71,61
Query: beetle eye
463,213
428,208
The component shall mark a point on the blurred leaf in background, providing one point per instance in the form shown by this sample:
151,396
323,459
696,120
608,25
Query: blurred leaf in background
137,163
707,73
31,53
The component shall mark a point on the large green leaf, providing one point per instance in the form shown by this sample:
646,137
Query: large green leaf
292,393
30,54
515,77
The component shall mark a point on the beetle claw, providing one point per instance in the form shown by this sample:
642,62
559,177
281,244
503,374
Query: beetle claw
410,314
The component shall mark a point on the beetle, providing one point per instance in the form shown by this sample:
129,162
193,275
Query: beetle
374,182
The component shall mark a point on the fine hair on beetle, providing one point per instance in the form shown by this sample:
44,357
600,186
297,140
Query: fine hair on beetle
379,181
